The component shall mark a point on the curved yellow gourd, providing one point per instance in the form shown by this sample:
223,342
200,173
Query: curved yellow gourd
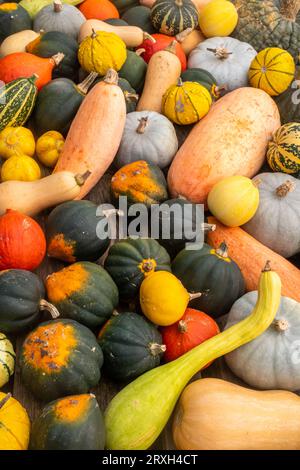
20,168
16,141
137,415
14,424
49,147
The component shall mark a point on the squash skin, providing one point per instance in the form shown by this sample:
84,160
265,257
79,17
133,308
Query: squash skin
218,19
288,102
7,360
71,423
130,95
98,9
203,77
131,35
84,292
73,369
171,17
134,70
130,261
139,16
284,149
15,429
161,42
67,19
17,42
13,20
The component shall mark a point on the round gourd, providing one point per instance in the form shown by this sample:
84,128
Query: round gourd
158,42
98,9
71,423
276,222
284,149
17,42
102,51
134,70
227,59
73,230
140,182
171,17
22,298
49,147
7,361
129,261
20,168
84,292
163,298
218,18
13,18
15,424
272,70
16,141
212,273
131,346
233,200
139,16
59,17
18,234
271,361
186,102
147,136
60,358
204,78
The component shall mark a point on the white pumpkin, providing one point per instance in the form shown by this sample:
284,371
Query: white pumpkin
276,222
272,360
147,136
7,360
226,58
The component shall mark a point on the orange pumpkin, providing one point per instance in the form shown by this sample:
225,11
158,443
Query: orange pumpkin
98,10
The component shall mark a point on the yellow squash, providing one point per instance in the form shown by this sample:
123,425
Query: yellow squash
218,18
49,147
20,168
16,141
14,424
7,359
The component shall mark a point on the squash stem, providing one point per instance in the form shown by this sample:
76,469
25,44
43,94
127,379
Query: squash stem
94,34
141,51
281,325
57,58
195,295
84,86
5,400
171,47
148,36
131,96
208,227
44,305
111,77
289,9
157,349
57,5
142,125
285,188
81,179
179,3
220,52
222,250
182,326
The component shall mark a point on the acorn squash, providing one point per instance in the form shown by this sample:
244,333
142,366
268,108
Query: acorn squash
172,17
13,18
134,70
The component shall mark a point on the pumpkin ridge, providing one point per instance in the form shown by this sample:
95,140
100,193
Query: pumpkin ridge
192,103
269,83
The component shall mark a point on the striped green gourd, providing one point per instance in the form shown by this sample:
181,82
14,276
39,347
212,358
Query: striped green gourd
284,149
17,100
7,359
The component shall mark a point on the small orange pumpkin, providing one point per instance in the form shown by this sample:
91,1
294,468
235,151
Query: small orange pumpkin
99,10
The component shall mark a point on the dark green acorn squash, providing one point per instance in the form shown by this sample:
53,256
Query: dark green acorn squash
139,16
124,5
116,22
84,292
171,17
13,18
131,98
72,423
73,232
129,261
22,296
60,358
204,78
214,274
134,70
131,346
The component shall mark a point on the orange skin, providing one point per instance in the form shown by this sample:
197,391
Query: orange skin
98,10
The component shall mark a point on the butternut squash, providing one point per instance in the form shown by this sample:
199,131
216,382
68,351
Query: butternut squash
133,36
164,69
232,139
30,198
213,414
189,39
95,134
249,254
17,42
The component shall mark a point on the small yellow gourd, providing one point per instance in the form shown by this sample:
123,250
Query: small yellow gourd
16,141
233,200
14,424
49,147
186,102
7,359
163,298
102,51
20,168
218,18
272,70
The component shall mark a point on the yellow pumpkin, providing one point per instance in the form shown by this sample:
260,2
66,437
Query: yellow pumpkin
186,102
7,359
233,200
163,298
218,18
272,70
102,51
16,141
49,147
14,424
20,168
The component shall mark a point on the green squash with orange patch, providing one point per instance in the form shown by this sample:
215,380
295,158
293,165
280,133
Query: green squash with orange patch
84,292
13,18
74,232
71,423
60,358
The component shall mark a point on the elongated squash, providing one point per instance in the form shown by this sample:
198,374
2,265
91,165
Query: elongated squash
95,133
189,39
137,415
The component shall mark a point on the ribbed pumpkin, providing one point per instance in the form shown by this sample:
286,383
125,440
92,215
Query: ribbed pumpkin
129,261
284,149
102,51
13,18
15,424
84,292
186,102
49,147
7,361
60,358
20,168
272,70
171,17
16,141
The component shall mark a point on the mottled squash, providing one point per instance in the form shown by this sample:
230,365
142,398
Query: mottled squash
284,149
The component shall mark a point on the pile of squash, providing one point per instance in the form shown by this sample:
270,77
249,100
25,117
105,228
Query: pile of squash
179,103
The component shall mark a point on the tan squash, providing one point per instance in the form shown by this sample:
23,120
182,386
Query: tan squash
189,39
30,198
17,42
213,414
164,69
250,254
131,35
95,134
231,140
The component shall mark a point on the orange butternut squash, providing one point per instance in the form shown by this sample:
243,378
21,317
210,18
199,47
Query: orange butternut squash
95,134
250,255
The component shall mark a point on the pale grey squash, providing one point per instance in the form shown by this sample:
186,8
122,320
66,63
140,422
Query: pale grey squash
147,136
276,223
57,17
272,360
226,58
